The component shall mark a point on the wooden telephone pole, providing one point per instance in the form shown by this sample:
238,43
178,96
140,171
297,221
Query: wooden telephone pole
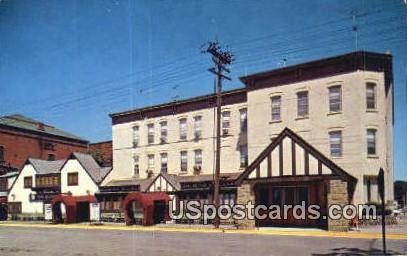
221,59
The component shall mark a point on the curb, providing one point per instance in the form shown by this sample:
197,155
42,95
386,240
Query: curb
207,230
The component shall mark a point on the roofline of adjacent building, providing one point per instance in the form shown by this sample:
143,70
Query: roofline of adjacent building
45,134
100,142
335,65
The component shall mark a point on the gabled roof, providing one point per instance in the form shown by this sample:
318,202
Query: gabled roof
265,157
9,175
18,121
96,172
44,166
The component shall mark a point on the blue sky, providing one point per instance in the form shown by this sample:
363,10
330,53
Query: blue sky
70,63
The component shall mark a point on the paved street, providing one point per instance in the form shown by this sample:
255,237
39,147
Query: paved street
57,241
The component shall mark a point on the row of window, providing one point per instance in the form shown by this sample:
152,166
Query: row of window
183,161
183,128
72,180
335,142
335,101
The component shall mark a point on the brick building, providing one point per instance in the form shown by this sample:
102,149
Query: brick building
102,152
22,137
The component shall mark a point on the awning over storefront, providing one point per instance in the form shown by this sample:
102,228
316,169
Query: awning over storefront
70,203
147,201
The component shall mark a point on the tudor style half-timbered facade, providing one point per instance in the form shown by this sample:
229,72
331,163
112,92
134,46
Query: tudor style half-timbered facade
290,171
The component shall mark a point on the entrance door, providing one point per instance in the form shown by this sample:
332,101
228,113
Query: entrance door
82,212
3,212
159,211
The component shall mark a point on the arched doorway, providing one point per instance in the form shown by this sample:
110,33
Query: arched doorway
71,209
146,208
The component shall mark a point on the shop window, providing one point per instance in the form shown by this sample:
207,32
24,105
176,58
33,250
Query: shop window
14,207
290,195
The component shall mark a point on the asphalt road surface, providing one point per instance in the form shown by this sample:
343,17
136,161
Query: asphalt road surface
55,241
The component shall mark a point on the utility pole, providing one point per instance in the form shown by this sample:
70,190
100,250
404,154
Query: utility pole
221,59
355,15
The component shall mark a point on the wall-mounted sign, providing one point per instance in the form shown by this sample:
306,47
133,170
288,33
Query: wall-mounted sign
48,211
94,209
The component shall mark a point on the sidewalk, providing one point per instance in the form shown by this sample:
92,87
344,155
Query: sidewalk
204,229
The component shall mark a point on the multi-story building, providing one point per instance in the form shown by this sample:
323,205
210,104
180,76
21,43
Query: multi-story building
178,138
22,137
341,105
322,127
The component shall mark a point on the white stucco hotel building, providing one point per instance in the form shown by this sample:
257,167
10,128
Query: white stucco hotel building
339,115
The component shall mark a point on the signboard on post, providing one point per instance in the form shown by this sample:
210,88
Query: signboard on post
94,209
48,212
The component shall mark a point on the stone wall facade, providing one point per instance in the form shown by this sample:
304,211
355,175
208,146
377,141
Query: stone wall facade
337,194
245,193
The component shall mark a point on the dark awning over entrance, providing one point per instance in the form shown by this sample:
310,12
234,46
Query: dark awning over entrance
70,203
147,201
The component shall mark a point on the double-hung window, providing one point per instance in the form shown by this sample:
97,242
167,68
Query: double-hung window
150,133
198,157
197,127
136,135
225,122
164,162
183,129
243,156
371,141
276,108
136,166
335,98
243,119
335,142
370,96
302,104
163,131
150,162
184,161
